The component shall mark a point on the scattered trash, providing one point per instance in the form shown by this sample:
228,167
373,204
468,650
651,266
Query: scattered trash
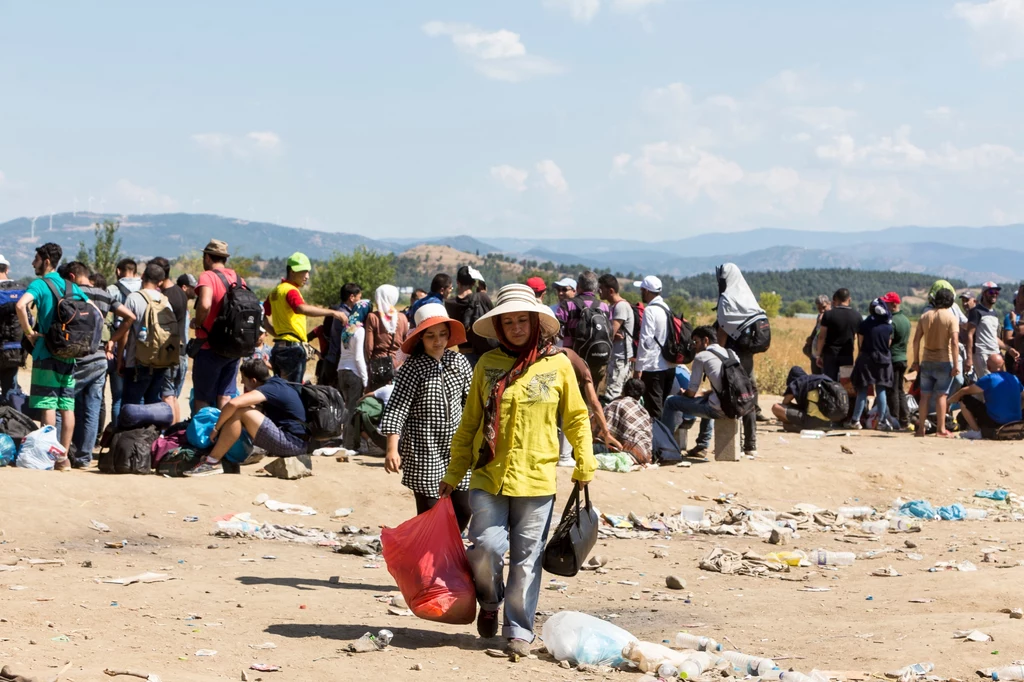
265,645
342,513
140,578
396,611
594,562
972,636
265,668
190,519
149,677
952,566
921,601
1015,614
911,672
289,508
99,526
369,642
889,572
999,494
721,560
116,545
206,652
582,639
60,638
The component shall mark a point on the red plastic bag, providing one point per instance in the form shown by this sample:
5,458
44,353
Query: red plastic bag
426,558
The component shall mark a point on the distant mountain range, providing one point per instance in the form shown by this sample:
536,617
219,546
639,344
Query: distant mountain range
971,253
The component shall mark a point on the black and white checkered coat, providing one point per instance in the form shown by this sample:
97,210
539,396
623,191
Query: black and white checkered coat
425,410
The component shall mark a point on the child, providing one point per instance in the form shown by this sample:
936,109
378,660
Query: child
425,409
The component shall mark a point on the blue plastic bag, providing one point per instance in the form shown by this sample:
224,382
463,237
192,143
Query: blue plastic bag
241,450
999,495
922,509
8,450
953,512
201,426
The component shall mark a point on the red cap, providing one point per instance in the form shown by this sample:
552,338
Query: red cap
538,285
891,297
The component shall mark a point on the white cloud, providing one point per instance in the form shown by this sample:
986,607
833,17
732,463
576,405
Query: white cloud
784,192
823,118
898,152
499,55
939,113
582,11
510,177
634,5
263,143
619,163
998,26
685,171
881,198
642,209
552,176
147,198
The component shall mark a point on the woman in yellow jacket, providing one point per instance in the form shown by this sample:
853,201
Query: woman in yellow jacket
509,436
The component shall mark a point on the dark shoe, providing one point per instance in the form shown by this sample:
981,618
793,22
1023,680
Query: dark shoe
231,467
762,417
697,451
487,624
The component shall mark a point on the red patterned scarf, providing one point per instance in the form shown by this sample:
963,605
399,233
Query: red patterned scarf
529,353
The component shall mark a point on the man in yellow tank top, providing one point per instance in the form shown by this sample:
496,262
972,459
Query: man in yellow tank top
285,320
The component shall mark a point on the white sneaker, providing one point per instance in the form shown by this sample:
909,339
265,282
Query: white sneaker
566,462
750,453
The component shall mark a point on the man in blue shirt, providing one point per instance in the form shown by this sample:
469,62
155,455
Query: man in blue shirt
1002,392
53,380
440,288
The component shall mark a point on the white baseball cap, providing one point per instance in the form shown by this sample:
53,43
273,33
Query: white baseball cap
650,283
567,282
4,261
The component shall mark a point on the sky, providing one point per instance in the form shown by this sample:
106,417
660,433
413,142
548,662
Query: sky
572,118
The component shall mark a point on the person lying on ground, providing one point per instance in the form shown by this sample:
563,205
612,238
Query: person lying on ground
280,428
799,407
1002,393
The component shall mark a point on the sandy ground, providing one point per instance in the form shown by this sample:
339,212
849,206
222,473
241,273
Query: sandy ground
228,596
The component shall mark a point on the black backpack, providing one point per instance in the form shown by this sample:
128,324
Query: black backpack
756,337
15,424
235,331
592,339
476,309
179,460
678,347
72,332
833,401
738,395
325,410
130,452
12,355
634,333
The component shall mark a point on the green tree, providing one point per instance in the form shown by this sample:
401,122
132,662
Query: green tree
364,267
106,250
771,302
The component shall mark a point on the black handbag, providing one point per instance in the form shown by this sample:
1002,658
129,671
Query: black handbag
380,372
575,537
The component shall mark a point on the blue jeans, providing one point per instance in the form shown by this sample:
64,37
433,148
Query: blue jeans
89,382
116,390
288,360
862,399
143,385
499,524
679,408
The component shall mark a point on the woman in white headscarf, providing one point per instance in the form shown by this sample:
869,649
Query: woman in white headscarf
738,309
385,327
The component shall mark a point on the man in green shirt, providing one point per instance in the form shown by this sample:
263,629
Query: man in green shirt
900,336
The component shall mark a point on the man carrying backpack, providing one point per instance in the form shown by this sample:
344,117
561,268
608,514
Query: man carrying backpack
127,282
12,355
153,344
652,366
467,307
586,327
214,375
285,314
53,379
623,323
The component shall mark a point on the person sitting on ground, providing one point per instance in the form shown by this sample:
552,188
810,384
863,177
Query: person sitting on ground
938,330
706,363
874,364
630,423
799,407
1002,393
426,407
280,428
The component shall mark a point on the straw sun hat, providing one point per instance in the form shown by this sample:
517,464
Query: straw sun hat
426,317
517,298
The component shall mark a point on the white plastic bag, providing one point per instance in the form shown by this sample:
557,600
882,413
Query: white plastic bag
579,638
40,449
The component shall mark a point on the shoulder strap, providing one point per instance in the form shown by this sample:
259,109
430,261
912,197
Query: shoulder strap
53,288
724,358
125,291
227,284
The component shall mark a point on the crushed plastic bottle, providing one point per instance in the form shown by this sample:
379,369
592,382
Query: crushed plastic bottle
684,640
749,665
823,557
905,524
794,676
1009,672
667,671
875,527
812,434
976,514
789,558
696,664
856,512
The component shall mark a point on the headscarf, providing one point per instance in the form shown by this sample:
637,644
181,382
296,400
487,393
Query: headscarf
386,298
939,285
737,306
355,320
534,349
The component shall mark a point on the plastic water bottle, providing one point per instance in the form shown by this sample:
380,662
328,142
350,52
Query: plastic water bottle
823,557
1010,672
696,664
749,665
976,514
143,334
856,512
906,524
812,434
8,450
685,640
794,676
667,671
875,527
